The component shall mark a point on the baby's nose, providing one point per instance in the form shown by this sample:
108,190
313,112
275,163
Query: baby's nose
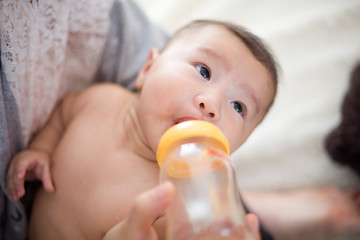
209,105
207,110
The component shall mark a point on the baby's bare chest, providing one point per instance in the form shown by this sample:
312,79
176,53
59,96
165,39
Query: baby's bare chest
97,173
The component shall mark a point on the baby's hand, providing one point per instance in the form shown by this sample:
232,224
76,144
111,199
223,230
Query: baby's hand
26,166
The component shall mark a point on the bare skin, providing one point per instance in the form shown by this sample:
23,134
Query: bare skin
100,144
104,190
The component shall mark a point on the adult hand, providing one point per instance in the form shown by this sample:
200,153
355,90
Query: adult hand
147,208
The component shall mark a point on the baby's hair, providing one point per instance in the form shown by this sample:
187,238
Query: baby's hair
257,46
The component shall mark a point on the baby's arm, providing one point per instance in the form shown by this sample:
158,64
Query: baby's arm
34,162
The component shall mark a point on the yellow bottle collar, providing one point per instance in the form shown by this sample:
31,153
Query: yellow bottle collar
190,129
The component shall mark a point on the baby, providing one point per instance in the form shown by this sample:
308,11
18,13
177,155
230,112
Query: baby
99,145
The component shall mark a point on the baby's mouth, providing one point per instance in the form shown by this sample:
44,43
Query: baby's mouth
180,120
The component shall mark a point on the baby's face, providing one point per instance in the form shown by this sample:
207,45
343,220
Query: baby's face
208,74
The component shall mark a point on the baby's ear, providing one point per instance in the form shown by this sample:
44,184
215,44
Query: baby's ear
139,82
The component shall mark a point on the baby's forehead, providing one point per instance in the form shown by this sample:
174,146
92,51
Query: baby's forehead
210,42
193,31
199,32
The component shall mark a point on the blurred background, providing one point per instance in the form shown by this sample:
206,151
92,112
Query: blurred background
317,43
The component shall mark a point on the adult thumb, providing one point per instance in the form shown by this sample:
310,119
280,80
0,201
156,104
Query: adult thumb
147,207
150,205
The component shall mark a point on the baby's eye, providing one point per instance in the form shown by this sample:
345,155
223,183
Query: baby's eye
204,71
239,108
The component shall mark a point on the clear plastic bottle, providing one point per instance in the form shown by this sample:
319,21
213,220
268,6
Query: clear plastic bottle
194,156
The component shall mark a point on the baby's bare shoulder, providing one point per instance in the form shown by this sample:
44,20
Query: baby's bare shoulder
99,94
106,90
97,97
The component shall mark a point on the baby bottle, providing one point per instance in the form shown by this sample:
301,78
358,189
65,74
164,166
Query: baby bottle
193,155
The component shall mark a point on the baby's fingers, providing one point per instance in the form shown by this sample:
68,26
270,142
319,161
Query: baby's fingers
15,184
21,168
47,180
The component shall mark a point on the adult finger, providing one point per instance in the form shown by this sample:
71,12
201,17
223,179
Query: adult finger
147,207
253,223
150,205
